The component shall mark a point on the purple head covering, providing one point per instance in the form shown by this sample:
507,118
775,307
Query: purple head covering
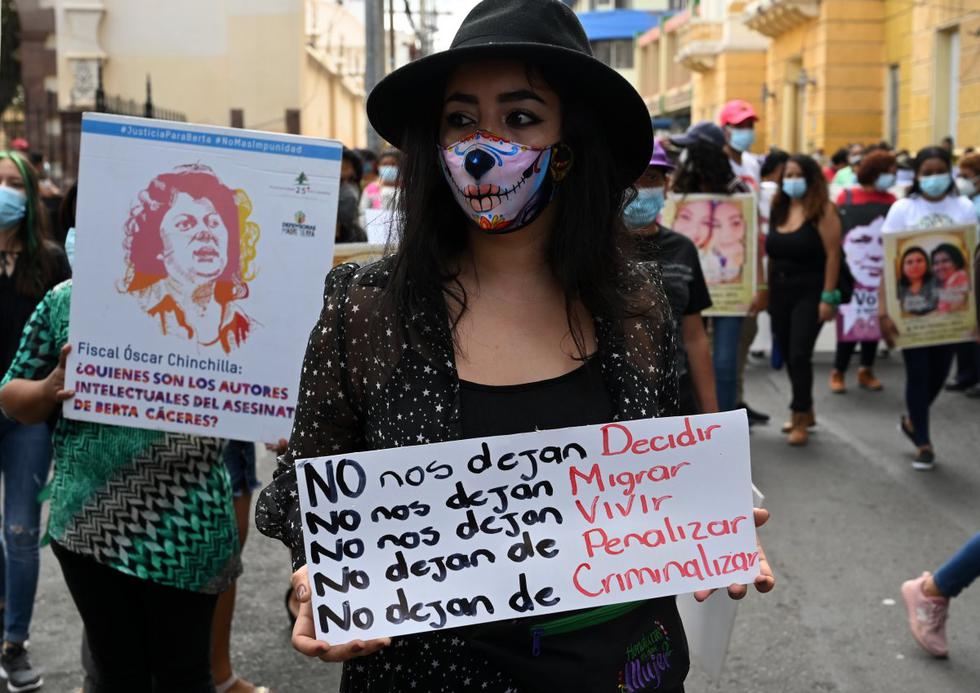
659,157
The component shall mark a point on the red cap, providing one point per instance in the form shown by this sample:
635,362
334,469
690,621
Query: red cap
737,112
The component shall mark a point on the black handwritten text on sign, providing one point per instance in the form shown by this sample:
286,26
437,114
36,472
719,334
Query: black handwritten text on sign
451,534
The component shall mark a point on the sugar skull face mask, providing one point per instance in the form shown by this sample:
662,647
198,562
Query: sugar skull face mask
501,185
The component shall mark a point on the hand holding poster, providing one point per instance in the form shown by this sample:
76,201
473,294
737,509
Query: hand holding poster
465,532
200,259
723,228
929,285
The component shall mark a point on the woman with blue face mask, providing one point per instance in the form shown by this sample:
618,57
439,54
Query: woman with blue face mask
804,250
381,193
30,265
687,292
932,202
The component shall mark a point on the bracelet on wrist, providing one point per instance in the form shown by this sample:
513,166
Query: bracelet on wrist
832,298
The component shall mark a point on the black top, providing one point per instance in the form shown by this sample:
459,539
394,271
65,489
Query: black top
680,267
578,398
16,309
796,255
376,376
677,257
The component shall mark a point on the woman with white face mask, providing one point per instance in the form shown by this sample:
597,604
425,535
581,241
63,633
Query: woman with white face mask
933,202
509,306
30,265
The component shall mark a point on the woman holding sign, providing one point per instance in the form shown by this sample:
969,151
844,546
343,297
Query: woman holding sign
30,264
508,307
933,202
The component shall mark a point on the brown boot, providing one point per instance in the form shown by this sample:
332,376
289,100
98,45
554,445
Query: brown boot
809,417
867,380
798,434
837,382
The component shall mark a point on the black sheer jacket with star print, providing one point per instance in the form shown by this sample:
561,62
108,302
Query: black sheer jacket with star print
377,377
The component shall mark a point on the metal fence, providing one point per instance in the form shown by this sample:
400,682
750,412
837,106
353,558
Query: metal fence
56,133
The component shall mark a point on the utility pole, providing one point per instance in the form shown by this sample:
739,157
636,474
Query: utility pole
424,36
391,36
374,47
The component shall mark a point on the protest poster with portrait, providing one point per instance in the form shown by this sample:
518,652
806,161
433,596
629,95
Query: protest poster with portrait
452,534
864,254
724,230
199,267
929,285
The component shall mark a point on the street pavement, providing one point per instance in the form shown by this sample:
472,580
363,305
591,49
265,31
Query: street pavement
850,521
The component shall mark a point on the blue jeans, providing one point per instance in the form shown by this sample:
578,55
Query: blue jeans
25,458
959,571
239,459
727,333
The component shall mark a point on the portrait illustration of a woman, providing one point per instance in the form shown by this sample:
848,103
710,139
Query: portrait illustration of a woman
918,291
949,266
189,252
717,228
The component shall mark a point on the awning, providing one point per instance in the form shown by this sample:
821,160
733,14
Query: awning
617,24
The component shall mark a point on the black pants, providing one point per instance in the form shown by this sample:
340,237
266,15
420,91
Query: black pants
143,636
794,306
926,370
845,350
967,368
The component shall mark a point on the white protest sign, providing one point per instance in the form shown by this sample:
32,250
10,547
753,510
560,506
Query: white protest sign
451,534
198,274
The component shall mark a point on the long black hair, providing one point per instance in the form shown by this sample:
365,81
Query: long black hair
704,169
926,278
583,252
955,254
815,202
921,158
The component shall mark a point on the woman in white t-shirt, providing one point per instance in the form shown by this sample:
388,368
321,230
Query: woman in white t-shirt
933,202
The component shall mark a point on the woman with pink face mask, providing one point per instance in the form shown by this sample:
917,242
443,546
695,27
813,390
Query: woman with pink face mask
508,306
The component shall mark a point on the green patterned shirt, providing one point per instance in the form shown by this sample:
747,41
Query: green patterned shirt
150,504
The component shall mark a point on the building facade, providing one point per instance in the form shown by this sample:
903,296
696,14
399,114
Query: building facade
277,65
821,73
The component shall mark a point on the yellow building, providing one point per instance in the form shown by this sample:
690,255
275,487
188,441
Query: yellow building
727,60
823,73
842,71
664,83
932,72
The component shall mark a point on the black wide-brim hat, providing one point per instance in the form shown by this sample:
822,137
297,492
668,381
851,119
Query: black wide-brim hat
540,31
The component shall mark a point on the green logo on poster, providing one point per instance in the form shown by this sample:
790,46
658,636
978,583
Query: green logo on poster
300,218
302,180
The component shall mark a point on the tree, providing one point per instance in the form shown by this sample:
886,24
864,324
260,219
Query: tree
9,53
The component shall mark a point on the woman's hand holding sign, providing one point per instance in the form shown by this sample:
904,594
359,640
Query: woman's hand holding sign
34,401
304,632
764,582
54,384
